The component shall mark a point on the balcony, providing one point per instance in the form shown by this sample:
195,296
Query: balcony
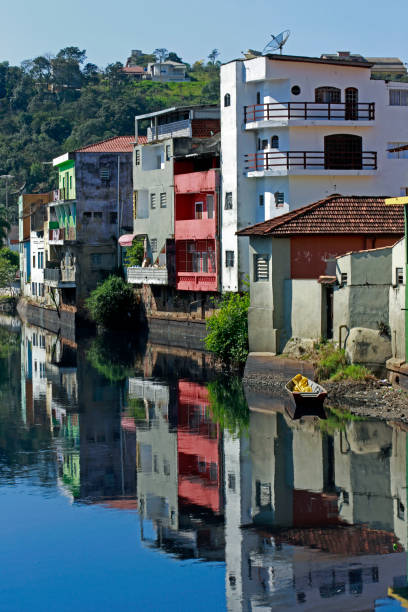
62,278
61,195
310,162
147,276
196,182
60,235
197,281
180,128
283,112
194,229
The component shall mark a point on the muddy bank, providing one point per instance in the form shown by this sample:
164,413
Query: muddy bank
269,374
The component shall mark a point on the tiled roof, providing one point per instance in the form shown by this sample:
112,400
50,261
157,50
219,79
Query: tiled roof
117,144
133,69
142,140
336,214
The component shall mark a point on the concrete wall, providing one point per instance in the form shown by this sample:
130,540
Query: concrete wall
304,307
397,302
364,300
266,316
154,177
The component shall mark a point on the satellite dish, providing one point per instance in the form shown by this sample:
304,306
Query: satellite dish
276,43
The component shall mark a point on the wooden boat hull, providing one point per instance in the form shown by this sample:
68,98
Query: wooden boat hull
307,404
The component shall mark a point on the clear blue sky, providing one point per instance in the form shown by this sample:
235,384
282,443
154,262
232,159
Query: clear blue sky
108,29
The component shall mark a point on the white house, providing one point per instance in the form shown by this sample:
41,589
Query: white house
296,129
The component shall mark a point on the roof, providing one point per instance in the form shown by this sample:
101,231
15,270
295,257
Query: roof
172,109
133,69
336,214
311,60
117,144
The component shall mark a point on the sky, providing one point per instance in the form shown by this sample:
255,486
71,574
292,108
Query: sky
108,29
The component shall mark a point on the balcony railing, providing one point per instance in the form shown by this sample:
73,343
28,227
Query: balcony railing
147,276
60,195
60,234
168,130
58,277
194,229
197,281
311,160
329,111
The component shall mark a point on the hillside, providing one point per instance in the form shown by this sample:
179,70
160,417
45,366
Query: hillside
49,106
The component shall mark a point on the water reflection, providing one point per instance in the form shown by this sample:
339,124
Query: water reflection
304,514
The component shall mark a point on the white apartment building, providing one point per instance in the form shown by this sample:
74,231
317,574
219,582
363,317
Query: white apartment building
297,129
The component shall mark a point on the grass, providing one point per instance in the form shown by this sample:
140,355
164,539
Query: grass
353,371
331,364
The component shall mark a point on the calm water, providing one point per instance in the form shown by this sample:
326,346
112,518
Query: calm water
131,478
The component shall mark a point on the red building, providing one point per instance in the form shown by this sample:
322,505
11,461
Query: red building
196,222
199,450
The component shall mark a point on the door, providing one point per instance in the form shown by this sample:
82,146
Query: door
343,152
329,312
351,99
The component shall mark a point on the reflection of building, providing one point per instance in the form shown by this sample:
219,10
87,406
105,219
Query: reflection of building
342,495
179,463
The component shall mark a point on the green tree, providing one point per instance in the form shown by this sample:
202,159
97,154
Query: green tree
228,330
112,304
8,270
135,253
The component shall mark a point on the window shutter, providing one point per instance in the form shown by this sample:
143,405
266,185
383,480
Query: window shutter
261,267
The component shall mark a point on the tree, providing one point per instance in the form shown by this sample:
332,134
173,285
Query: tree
213,55
8,270
112,304
228,330
161,54
173,57
72,54
135,253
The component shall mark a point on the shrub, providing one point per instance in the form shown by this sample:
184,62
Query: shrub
112,304
353,371
134,254
228,330
330,361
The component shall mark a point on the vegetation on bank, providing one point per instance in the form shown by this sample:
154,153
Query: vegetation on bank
9,264
113,304
114,356
134,253
227,328
53,104
331,364
337,420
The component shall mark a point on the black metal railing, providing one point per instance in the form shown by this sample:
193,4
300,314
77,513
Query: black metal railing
351,111
310,160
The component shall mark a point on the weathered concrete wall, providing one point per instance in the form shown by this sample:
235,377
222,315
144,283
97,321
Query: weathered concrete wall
266,316
154,176
48,319
304,308
397,302
186,334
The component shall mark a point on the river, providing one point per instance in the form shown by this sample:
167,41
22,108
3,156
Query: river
132,477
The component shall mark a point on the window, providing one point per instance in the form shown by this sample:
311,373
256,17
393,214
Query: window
213,471
87,216
275,142
199,210
156,464
227,100
210,206
201,464
343,152
229,259
163,200
137,157
351,100
41,289
152,200
168,152
261,267
264,144
153,245
296,90
261,199
231,482
258,97
325,95
279,199
400,509
397,150
166,467
104,174
40,259
399,97
33,261
34,288
343,278
98,215
96,259
113,218
399,276
228,200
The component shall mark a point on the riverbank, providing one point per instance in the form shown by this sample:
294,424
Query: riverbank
370,398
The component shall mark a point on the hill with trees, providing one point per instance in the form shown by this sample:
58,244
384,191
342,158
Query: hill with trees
53,104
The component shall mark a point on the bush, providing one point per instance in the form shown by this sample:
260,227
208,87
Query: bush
134,254
112,304
331,360
228,330
353,371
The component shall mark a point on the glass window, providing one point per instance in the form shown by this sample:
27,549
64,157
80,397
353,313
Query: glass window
279,198
168,152
328,94
275,142
113,218
261,199
199,210
397,150
137,157
228,200
399,97
227,100
210,206
97,215
153,245
229,259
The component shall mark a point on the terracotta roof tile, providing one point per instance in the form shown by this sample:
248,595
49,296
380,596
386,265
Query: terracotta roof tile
117,144
133,69
336,214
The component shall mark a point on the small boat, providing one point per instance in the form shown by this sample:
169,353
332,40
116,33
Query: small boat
311,398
